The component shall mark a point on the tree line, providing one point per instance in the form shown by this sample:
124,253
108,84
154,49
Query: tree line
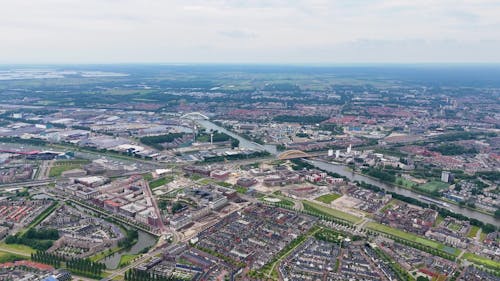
41,239
79,266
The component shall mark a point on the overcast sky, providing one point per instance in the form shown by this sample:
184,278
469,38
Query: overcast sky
246,31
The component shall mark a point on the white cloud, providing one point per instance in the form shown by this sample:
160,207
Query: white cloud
281,31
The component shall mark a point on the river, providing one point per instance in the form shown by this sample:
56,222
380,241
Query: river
344,171
244,143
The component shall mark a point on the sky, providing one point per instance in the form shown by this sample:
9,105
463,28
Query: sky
249,31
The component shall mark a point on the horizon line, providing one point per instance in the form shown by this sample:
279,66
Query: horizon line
296,64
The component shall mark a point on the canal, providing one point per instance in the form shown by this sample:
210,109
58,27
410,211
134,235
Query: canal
144,240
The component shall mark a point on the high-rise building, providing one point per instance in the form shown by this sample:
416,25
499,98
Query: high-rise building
447,177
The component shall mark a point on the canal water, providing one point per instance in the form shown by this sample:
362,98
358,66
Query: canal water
144,240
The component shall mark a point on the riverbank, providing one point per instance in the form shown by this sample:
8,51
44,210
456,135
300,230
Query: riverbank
354,176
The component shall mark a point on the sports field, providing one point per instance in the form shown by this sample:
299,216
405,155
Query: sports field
328,198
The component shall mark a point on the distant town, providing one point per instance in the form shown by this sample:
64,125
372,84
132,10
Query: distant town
248,173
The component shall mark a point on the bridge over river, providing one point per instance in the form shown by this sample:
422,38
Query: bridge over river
344,171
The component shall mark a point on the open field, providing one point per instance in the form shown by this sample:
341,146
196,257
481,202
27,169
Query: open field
126,259
438,221
328,198
241,189
159,182
309,205
61,166
8,257
404,182
278,200
56,171
473,231
433,186
17,248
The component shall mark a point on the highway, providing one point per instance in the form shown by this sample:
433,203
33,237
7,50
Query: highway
27,184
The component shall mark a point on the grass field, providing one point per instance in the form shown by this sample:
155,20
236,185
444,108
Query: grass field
308,205
206,181
147,176
61,166
389,205
482,261
159,182
404,182
454,226
18,248
241,189
438,221
433,186
56,171
126,259
195,177
482,236
473,231
8,257
328,198
282,201
412,237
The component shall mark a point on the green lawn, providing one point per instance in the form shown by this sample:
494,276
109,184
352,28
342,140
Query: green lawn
9,257
282,201
387,206
101,255
309,205
433,186
147,176
404,182
56,171
438,221
411,237
473,231
159,182
18,248
195,177
224,184
241,189
205,181
454,226
482,261
328,198
126,259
